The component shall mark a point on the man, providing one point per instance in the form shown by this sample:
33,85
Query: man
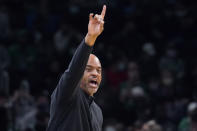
72,104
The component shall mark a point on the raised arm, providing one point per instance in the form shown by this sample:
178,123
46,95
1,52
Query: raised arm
72,76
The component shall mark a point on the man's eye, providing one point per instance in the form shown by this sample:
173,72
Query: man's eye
88,69
99,71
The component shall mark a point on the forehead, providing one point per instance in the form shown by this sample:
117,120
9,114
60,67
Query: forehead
93,61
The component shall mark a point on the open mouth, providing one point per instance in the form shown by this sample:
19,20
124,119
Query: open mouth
93,83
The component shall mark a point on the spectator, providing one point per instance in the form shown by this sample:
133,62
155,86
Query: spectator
151,126
62,38
24,107
189,123
171,61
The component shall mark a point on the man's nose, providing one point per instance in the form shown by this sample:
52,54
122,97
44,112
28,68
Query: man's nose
94,72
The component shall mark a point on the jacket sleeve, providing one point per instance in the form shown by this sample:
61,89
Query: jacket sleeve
70,79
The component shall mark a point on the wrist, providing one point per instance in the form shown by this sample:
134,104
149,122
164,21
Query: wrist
90,39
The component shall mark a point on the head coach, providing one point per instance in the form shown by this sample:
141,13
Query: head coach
72,103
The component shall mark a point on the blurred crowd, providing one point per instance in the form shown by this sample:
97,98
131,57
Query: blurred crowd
147,51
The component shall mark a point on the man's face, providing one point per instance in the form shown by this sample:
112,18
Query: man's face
92,76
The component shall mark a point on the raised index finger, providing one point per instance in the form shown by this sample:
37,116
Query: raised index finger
103,11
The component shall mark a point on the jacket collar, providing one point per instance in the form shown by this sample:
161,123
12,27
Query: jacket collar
89,98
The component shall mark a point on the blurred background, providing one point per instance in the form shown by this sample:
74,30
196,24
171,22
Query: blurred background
147,51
